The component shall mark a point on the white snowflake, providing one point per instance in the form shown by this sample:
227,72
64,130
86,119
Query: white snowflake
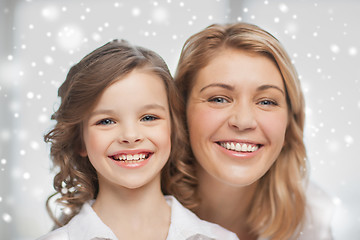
22,152
48,60
283,8
34,145
70,37
160,15
335,48
7,218
349,139
26,176
352,51
30,95
136,12
50,13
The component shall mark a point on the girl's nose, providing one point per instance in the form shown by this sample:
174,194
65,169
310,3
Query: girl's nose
130,133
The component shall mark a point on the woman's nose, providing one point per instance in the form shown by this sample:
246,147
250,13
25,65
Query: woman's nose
242,117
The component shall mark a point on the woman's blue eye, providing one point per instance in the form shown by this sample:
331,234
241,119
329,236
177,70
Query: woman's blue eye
148,118
218,100
105,122
268,102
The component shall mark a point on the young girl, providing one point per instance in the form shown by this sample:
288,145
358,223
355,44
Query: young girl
115,127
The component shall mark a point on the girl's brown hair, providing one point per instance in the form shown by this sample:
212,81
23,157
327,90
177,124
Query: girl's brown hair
76,179
278,206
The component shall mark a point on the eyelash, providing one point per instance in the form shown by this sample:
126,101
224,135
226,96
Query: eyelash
152,118
105,121
268,102
218,100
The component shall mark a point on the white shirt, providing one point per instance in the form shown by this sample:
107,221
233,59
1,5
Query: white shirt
184,225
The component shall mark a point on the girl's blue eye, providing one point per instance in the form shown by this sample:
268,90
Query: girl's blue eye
148,118
218,100
105,122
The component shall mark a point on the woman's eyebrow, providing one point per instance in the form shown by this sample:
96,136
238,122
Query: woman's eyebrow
265,87
221,85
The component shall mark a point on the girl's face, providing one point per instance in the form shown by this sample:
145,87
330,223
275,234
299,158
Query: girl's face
237,117
127,135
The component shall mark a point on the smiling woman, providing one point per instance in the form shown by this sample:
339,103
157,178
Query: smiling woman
245,117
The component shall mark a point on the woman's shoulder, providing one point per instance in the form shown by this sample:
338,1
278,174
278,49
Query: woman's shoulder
319,213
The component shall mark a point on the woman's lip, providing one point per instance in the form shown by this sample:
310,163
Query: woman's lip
241,141
239,154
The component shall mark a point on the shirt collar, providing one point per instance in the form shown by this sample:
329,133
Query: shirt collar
186,225
87,225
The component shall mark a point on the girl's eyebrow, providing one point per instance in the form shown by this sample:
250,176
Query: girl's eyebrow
154,106
221,85
101,111
268,86
111,112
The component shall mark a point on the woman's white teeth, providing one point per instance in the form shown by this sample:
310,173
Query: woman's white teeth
129,157
239,147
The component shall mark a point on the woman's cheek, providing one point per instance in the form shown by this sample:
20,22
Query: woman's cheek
202,117
274,124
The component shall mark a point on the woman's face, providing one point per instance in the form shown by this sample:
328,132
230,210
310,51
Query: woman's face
237,117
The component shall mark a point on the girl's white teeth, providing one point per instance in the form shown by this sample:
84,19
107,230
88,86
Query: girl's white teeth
244,148
129,157
239,147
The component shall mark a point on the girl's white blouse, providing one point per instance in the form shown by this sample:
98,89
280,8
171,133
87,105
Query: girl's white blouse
185,225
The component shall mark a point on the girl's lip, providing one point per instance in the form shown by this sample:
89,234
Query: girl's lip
132,152
133,164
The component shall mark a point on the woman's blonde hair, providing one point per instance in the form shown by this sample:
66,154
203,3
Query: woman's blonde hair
278,207
76,180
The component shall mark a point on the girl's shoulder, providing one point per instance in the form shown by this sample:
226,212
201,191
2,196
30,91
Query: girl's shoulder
85,225
58,234
186,225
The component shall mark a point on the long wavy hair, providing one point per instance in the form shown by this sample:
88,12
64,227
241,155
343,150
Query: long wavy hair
277,209
76,180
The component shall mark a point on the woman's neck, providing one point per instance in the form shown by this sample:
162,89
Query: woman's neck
140,213
225,205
